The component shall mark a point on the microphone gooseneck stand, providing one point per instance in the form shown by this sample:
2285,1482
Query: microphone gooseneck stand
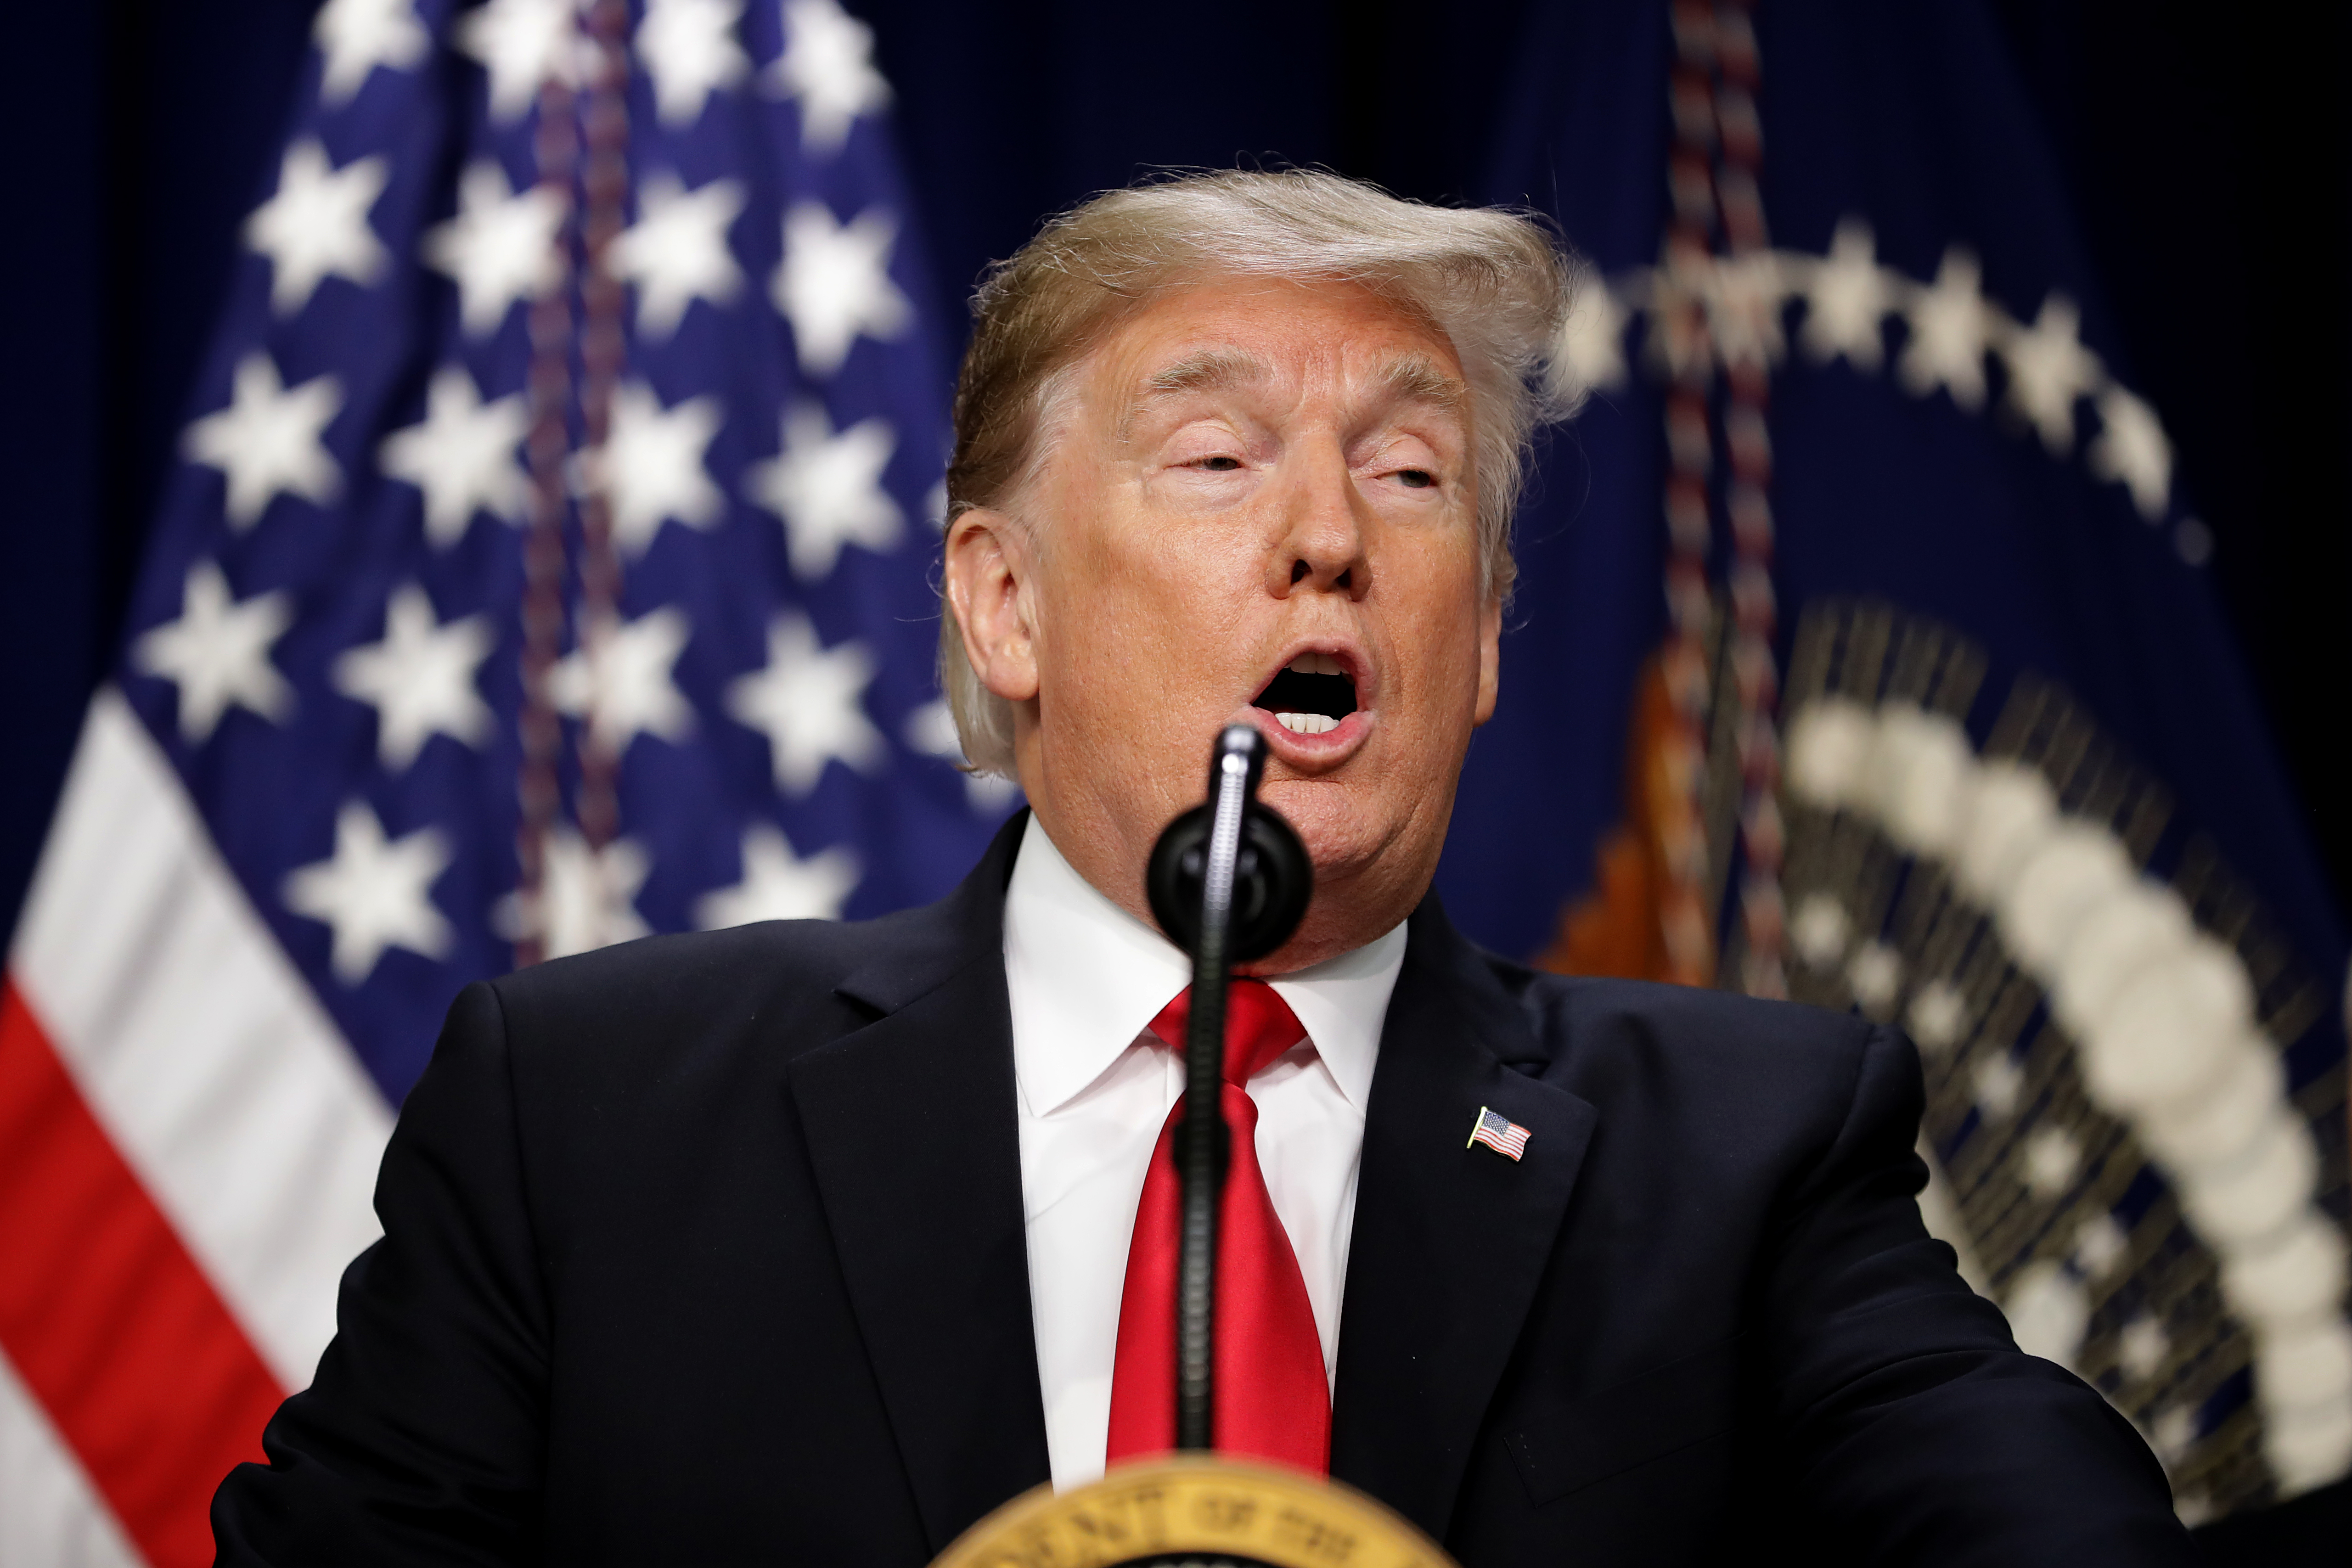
1231,881
1204,1141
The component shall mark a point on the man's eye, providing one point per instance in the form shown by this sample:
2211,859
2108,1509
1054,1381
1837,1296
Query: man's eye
1220,465
1416,478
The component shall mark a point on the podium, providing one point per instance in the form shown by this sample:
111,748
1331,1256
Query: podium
1229,881
1195,1510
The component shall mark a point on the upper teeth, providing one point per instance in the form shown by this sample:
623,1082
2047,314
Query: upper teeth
1308,723
1316,664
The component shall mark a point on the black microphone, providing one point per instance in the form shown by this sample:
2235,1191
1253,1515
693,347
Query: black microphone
1229,881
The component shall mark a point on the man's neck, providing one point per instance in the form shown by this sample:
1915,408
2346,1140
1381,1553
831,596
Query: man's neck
1089,975
1351,908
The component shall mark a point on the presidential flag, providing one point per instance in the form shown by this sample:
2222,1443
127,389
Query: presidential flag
545,563
1872,557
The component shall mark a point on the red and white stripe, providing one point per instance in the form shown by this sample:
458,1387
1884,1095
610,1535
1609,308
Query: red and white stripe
187,1150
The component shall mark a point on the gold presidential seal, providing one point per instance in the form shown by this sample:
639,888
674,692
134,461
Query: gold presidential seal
1195,1510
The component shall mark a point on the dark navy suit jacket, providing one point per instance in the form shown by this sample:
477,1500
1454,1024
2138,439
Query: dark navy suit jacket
709,1249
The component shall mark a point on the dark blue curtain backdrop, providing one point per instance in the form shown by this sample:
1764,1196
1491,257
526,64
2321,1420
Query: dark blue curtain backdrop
2205,150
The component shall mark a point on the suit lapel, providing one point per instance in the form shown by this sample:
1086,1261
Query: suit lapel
1450,1241
912,1124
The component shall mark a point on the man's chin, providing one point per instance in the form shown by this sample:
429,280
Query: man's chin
1342,837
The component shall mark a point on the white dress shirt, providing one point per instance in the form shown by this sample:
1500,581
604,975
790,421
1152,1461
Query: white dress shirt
1086,978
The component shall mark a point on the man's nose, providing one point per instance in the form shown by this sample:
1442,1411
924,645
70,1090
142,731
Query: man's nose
1321,543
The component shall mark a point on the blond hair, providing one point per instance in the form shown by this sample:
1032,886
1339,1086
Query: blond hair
1495,282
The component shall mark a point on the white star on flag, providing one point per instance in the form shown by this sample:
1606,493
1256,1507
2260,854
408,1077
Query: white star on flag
354,37
1820,930
1743,298
586,899
1591,335
650,465
462,456
2048,369
677,250
828,489
834,283
1999,1082
828,64
522,44
374,893
779,885
1949,326
2052,1157
689,49
2100,1244
1875,975
500,247
265,443
931,730
2141,1349
1937,1015
1846,300
420,677
809,703
2131,450
316,226
2174,1433
217,652
620,680
1678,291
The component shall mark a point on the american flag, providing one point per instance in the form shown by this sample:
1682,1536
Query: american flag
1504,1137
546,564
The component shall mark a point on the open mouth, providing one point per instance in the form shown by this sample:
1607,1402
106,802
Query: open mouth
1310,696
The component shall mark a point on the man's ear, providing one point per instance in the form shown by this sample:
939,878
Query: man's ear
1490,659
987,585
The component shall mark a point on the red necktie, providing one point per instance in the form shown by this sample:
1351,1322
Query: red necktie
1272,1400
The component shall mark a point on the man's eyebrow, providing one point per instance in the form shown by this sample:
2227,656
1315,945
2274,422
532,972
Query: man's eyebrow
1209,369
1417,377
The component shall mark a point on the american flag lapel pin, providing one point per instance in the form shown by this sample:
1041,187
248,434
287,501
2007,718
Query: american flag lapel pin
1503,1137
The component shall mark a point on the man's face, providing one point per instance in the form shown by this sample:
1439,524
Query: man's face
1259,509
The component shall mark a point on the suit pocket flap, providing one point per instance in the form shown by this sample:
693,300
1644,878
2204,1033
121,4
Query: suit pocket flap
1564,1446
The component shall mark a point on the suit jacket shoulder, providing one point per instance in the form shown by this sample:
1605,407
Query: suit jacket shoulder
703,1248
789,984
1703,1309
1612,1036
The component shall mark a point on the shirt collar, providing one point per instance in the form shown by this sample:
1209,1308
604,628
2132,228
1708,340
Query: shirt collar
1084,978
1342,1002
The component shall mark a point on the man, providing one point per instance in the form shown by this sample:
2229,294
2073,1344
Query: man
812,1243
